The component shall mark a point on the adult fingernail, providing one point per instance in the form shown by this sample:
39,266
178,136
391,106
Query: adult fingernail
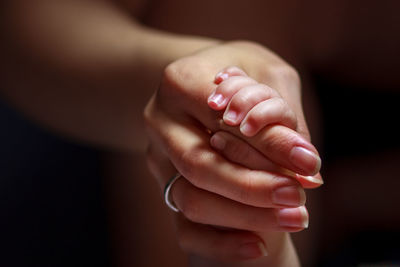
306,160
252,250
292,196
230,116
293,217
312,179
217,142
216,100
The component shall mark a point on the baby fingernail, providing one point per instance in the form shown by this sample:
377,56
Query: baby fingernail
305,159
252,250
216,100
231,116
293,217
217,142
292,196
220,77
246,129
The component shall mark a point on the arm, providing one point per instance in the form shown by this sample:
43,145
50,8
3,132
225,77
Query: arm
103,67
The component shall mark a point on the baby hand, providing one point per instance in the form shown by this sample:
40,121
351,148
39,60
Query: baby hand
260,110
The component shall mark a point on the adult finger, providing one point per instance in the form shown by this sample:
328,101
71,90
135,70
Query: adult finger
206,241
188,148
283,146
203,207
238,151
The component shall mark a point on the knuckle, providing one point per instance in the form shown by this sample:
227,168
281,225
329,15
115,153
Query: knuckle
241,100
188,165
194,162
281,106
281,103
286,73
270,92
180,69
255,116
178,73
291,118
170,75
246,189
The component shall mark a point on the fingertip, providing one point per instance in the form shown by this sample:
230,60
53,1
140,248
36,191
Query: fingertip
216,101
247,129
293,218
305,159
228,72
252,246
231,117
217,142
220,77
252,251
310,182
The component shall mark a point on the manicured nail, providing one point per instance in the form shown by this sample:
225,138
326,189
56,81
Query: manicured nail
216,100
217,142
231,116
312,179
305,159
292,196
252,250
293,217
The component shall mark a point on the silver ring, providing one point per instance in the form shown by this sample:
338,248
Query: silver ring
167,189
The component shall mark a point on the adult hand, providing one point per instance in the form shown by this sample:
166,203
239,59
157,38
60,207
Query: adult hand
179,124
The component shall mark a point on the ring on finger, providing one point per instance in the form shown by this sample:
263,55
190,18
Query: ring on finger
167,190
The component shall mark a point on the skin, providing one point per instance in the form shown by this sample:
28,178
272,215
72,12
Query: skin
65,51
176,137
105,69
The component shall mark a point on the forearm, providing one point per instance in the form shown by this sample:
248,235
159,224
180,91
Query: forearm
85,68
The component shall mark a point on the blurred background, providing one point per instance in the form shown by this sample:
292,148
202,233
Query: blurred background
51,198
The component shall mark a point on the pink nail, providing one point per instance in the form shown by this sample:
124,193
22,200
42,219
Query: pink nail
292,196
216,100
218,142
220,77
231,116
252,250
305,160
293,217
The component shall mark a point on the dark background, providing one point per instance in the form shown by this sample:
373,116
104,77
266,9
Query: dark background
51,199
